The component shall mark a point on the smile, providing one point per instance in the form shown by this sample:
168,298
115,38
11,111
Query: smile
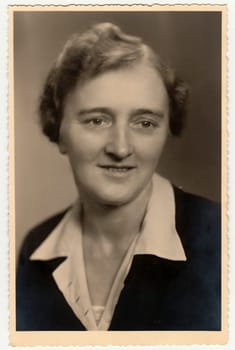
118,170
118,167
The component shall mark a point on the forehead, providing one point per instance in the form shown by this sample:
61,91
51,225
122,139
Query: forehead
138,86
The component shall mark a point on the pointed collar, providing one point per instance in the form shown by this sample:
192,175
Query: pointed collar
158,236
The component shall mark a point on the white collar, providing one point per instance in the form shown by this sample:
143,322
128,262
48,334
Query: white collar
158,237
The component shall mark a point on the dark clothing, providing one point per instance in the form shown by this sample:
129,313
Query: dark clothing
159,294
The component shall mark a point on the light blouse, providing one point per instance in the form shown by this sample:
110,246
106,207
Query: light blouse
158,237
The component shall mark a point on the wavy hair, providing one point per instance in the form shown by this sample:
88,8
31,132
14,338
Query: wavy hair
102,48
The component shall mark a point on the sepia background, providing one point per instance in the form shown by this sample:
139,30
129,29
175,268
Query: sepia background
190,41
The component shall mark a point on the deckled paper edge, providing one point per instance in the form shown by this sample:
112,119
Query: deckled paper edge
4,175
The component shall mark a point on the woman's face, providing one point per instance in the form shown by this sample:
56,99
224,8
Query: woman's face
114,128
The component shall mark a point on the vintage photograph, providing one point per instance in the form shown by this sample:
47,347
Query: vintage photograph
118,120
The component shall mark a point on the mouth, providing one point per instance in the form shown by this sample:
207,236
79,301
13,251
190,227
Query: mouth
117,169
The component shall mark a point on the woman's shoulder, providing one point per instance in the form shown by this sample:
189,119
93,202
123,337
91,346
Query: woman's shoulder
195,206
40,232
198,222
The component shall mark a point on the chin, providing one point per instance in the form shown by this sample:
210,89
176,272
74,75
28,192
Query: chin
113,201
116,199
111,194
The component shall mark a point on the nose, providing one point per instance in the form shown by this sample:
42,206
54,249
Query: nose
119,144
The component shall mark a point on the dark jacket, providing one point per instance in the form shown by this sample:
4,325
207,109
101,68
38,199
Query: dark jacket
159,294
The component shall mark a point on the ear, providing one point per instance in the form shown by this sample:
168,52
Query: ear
169,131
62,147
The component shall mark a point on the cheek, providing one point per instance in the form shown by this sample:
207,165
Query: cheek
150,151
80,147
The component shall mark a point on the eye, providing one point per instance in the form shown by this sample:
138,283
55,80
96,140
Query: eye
147,124
96,122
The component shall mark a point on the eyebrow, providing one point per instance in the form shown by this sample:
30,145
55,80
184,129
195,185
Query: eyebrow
138,111
154,112
82,112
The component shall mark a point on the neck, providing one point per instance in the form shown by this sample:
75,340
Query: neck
114,224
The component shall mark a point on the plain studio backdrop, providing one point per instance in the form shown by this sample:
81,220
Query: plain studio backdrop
191,43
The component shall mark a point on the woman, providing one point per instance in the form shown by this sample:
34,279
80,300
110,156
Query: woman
133,252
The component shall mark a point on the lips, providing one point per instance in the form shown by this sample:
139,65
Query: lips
118,169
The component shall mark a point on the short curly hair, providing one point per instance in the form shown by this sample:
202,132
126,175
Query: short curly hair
102,48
